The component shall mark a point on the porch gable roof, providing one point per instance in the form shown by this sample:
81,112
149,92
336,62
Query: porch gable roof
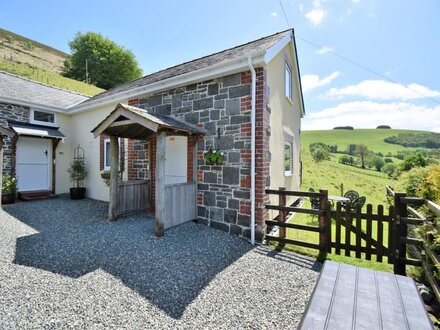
131,122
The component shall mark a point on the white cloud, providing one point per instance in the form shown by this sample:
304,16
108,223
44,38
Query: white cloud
367,114
312,81
325,50
301,8
317,14
356,1
274,14
383,90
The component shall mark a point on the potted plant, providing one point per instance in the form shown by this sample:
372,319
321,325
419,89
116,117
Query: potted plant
77,174
105,175
214,157
9,189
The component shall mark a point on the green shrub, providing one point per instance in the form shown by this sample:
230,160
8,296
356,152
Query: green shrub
319,151
389,169
9,185
388,160
10,39
412,161
346,160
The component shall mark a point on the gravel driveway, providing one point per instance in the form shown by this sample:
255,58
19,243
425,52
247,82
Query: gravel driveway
62,265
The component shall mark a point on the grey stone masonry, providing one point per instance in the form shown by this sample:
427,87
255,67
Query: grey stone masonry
17,113
222,107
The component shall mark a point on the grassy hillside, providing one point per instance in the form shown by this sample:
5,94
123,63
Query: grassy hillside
373,138
331,174
36,61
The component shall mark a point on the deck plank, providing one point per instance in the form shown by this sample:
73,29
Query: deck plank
349,297
392,311
320,301
413,304
342,309
367,301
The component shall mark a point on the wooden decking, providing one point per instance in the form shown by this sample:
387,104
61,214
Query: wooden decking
349,297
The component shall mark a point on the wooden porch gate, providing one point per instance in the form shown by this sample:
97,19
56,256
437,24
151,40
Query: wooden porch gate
133,196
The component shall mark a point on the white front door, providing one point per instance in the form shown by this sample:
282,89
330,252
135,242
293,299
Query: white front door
33,164
176,159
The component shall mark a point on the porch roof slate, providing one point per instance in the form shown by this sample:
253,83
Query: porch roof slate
197,64
160,120
28,90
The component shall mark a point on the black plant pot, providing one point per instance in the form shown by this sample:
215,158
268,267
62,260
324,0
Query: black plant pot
77,193
8,198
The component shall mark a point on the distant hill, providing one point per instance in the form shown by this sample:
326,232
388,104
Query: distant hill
28,58
373,138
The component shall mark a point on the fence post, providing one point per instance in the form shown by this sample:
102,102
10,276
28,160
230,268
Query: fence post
281,217
324,222
400,229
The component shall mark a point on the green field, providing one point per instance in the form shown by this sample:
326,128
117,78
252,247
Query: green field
331,174
373,138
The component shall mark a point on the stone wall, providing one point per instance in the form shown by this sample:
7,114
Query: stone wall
223,107
17,113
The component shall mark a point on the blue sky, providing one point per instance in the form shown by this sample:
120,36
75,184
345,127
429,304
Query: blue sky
399,40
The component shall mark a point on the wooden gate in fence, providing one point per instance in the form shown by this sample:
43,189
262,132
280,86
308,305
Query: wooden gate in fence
354,233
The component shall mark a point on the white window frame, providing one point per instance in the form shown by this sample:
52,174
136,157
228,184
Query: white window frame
288,88
106,168
44,123
290,171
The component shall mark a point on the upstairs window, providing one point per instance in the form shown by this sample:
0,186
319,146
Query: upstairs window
288,158
288,81
43,118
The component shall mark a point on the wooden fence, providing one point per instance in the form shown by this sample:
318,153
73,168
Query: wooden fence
359,234
134,196
181,203
323,212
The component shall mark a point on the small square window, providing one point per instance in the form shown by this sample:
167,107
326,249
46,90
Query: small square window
288,159
42,117
288,81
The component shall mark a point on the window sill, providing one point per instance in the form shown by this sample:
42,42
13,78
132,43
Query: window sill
288,173
289,100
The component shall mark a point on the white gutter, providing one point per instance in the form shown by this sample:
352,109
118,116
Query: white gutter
254,83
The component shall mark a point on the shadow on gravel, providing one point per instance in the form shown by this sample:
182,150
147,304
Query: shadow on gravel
293,258
75,239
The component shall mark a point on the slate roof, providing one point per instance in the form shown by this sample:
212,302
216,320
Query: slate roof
33,129
161,120
29,90
197,64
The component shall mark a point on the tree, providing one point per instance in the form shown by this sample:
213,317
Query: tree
319,151
378,163
411,161
108,63
389,169
362,151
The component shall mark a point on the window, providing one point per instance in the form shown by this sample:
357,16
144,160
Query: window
43,118
107,154
288,81
288,158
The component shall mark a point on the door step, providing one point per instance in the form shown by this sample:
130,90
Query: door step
28,196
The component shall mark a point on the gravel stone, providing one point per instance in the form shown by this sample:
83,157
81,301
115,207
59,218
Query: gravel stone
64,266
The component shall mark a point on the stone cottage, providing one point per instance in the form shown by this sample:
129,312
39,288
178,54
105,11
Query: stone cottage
246,102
